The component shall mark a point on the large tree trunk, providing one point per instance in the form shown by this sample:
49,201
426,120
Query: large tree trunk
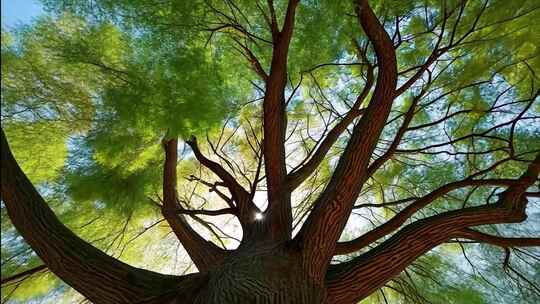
270,266
264,273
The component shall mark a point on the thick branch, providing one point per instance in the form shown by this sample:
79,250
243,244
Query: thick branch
324,225
505,242
352,281
400,218
94,274
204,254
275,124
382,263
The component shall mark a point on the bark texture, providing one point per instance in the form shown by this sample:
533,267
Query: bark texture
270,266
99,277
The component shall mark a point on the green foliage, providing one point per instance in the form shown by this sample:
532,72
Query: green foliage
40,149
90,90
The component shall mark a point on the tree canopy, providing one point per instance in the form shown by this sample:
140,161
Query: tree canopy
167,134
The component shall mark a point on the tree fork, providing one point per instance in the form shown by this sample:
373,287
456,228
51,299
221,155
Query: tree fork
244,203
204,254
377,266
99,277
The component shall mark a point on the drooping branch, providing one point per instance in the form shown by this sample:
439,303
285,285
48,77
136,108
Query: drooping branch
274,127
377,266
324,225
204,254
94,274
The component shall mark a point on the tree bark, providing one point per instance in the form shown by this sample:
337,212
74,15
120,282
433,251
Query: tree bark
269,266
318,236
274,128
97,276
352,281
245,209
204,254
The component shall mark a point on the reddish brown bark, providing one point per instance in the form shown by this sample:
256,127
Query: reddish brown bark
400,218
204,254
500,241
274,127
269,266
319,234
244,206
349,282
99,277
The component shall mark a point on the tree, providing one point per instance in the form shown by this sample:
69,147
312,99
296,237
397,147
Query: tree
420,117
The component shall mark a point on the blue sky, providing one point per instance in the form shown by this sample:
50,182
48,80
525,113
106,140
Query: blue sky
19,11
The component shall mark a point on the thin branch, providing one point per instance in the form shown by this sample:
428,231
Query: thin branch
23,275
